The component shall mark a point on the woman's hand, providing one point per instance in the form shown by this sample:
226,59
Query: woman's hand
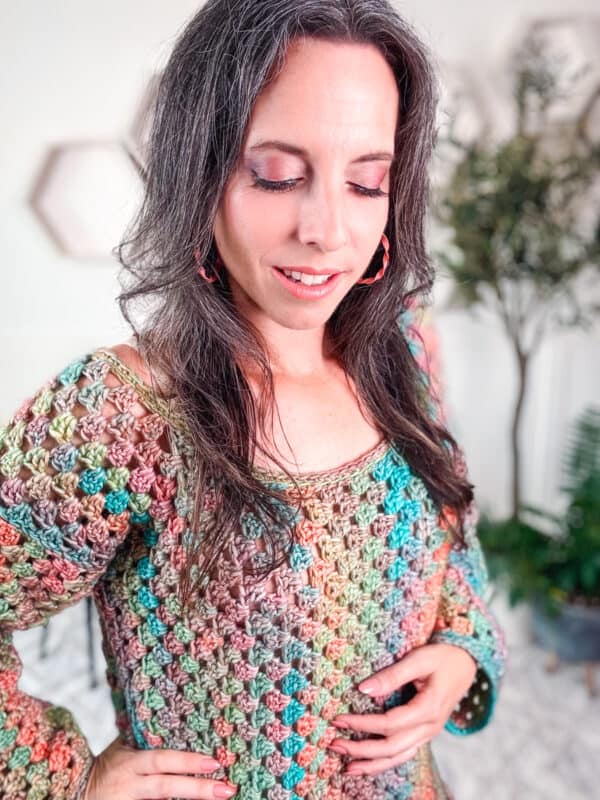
442,674
123,773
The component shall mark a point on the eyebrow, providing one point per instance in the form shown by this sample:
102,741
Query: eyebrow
285,147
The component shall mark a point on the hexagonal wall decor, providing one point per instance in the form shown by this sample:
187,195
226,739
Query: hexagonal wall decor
136,138
590,121
85,196
462,112
574,41
462,106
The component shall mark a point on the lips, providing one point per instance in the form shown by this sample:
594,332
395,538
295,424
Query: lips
307,270
304,291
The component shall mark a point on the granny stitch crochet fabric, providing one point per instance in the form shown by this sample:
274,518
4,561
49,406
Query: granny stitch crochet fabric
94,499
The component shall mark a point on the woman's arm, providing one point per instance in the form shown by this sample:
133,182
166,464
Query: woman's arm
75,466
464,619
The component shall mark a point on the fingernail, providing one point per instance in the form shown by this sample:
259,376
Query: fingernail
221,790
210,763
338,749
367,688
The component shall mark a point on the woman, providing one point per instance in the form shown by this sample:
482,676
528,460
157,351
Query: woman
273,521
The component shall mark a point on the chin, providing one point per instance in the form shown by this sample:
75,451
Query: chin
304,320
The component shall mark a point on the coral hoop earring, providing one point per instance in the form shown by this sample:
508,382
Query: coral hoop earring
385,261
201,269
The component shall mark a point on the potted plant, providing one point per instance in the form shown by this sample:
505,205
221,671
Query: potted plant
553,561
525,220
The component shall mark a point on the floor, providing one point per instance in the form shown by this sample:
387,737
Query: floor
542,744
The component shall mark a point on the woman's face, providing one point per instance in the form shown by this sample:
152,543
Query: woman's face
310,191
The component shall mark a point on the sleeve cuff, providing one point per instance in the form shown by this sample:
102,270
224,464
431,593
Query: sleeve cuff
476,708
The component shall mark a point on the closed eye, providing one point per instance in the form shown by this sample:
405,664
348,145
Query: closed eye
369,192
287,185
275,186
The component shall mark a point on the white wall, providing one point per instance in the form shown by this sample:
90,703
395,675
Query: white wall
75,69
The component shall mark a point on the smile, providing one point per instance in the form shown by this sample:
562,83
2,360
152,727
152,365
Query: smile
307,284
306,278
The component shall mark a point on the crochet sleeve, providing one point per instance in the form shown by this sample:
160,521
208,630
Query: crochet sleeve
463,617
68,486
464,620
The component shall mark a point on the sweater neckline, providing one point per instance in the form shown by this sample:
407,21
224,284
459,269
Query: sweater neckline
361,464
343,472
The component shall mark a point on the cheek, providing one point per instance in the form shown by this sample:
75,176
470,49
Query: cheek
235,230
258,221
368,228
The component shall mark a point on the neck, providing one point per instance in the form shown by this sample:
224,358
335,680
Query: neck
292,353
296,353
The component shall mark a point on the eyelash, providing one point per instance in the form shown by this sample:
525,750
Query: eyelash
286,186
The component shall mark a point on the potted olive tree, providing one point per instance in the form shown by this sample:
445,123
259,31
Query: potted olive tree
524,217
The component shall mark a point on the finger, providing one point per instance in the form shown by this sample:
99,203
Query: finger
157,787
418,663
382,748
149,762
422,709
381,764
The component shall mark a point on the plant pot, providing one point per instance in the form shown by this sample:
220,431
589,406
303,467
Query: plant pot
574,635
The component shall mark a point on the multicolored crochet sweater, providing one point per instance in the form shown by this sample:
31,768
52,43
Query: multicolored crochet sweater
94,499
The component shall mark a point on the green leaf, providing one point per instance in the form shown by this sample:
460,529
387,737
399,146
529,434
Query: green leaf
590,575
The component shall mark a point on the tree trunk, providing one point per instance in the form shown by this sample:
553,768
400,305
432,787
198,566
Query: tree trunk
522,365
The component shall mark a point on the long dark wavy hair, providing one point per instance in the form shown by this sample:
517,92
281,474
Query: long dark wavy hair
191,331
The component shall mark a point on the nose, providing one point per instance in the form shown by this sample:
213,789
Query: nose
322,220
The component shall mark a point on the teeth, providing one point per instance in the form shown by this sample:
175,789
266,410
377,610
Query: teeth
308,280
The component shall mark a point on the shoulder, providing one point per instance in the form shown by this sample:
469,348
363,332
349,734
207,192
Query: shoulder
131,357
128,367
82,409
110,379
